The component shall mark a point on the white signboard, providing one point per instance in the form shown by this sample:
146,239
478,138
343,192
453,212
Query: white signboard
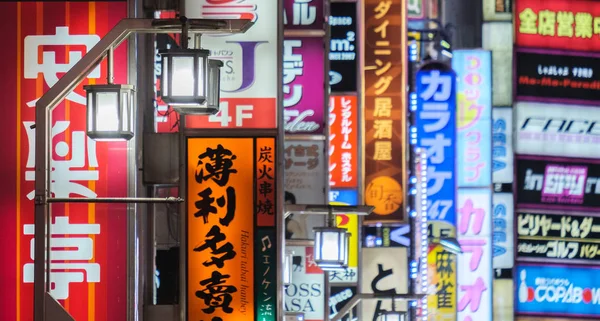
557,130
502,145
306,294
503,230
498,37
305,181
475,263
384,269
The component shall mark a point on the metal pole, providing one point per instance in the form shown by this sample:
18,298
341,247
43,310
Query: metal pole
110,66
182,222
129,200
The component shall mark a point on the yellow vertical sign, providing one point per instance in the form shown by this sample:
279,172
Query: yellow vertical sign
220,249
441,302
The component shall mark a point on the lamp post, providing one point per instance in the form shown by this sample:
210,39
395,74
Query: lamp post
46,307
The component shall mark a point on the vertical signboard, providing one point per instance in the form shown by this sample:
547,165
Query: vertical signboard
343,142
498,37
249,86
350,223
504,300
502,235
435,131
303,85
305,181
303,14
497,10
343,47
339,296
474,117
502,146
306,294
384,270
415,9
442,284
220,228
475,263
384,102
88,242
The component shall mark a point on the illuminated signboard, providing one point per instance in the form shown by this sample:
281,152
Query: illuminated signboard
415,9
88,241
306,294
384,108
557,184
557,130
249,86
557,290
474,117
231,185
502,145
498,37
502,236
350,223
435,130
441,303
340,296
557,77
343,48
558,24
475,237
303,14
343,141
561,238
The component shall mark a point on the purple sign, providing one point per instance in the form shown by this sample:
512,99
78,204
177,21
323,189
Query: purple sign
304,85
564,184
303,14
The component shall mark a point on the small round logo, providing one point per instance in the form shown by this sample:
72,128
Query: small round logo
385,193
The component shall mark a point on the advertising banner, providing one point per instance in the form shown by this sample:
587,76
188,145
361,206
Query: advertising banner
497,10
303,15
384,270
557,24
559,238
350,223
504,300
343,47
343,141
249,76
557,130
305,169
384,104
230,182
557,184
502,233
554,76
498,37
435,130
441,303
306,294
474,117
88,242
502,145
475,263
303,85
338,298
558,290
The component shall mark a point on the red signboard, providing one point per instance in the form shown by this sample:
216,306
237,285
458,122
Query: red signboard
343,141
558,24
42,40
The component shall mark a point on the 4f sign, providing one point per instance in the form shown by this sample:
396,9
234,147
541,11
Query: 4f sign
238,113
241,112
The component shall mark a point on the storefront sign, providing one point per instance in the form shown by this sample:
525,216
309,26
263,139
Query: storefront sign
343,47
303,85
557,184
558,290
502,235
415,9
558,24
497,10
475,237
441,303
249,86
385,107
303,15
304,184
436,130
563,238
384,270
343,142
502,145
557,130
498,37
306,294
474,117
350,223
88,242
552,76
338,298
386,236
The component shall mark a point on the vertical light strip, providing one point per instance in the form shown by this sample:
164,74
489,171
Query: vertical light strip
18,171
92,186
422,155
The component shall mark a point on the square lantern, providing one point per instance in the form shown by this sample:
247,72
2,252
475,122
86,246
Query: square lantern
186,82
288,268
391,316
331,247
110,111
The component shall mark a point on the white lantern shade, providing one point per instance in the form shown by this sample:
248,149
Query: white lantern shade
287,268
331,248
213,98
110,111
391,316
184,80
